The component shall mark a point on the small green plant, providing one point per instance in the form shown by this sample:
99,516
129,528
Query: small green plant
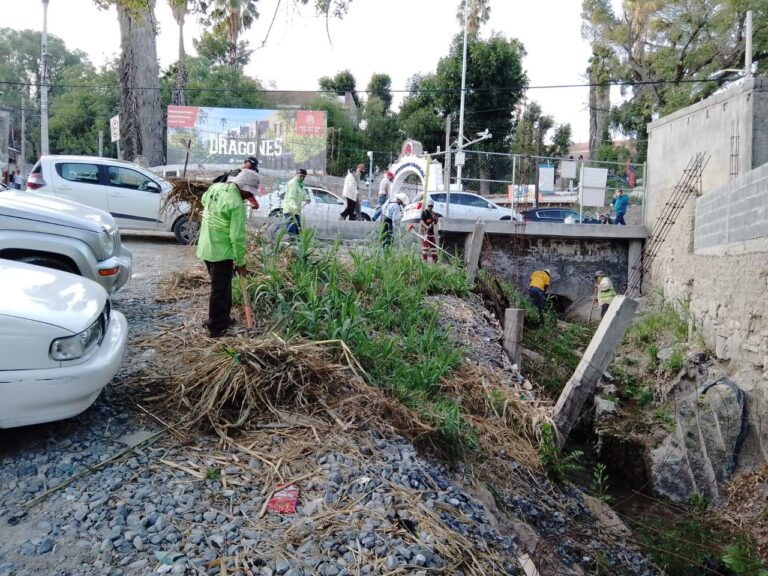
742,560
599,484
557,465
700,503
674,363
664,415
212,473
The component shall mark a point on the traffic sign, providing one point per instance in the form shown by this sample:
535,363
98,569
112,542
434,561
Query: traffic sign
114,128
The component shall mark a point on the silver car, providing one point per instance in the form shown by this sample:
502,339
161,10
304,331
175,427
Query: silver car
63,235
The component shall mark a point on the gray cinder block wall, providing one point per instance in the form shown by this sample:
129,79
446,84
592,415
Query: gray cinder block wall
706,261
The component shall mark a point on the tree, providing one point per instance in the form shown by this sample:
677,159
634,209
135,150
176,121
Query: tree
561,142
20,68
340,84
214,47
479,12
141,119
380,86
669,48
179,9
601,66
232,17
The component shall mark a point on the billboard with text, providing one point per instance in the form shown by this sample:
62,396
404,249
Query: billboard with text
280,139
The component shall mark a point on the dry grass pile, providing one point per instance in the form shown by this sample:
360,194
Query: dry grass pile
235,386
507,421
188,192
746,507
184,284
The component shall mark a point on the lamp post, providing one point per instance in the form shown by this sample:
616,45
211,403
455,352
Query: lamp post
44,85
370,175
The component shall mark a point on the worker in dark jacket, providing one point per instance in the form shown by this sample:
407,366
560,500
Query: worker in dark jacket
221,244
428,228
538,288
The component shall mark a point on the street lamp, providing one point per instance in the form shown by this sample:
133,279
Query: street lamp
370,175
44,85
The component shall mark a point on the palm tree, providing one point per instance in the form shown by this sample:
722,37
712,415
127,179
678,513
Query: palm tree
179,9
479,14
234,16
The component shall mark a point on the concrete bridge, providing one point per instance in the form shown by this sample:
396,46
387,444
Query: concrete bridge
573,253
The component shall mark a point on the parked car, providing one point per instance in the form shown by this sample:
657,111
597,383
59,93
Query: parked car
323,205
63,235
132,194
464,206
61,343
556,215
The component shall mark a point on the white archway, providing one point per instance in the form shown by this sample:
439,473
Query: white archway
412,163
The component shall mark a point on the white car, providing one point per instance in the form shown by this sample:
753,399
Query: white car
464,206
60,342
323,205
132,194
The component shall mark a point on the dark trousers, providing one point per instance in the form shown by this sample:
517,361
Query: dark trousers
603,309
293,223
387,232
351,209
220,300
619,219
539,299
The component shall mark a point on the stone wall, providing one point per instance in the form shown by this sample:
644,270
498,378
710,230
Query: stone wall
726,291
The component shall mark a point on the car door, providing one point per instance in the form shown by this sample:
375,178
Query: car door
134,198
323,205
484,209
80,182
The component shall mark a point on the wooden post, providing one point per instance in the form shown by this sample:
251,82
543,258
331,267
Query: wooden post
598,355
475,246
513,335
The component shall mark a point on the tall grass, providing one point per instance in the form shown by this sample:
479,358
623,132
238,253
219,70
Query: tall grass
375,302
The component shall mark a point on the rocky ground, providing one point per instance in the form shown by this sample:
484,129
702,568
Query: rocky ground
112,492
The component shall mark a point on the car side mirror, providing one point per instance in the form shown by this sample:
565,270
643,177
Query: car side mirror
153,187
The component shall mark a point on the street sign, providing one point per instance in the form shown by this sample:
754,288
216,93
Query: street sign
114,128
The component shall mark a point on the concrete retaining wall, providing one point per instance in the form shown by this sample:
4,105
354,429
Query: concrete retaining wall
716,265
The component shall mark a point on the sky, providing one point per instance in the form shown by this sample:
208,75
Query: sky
396,37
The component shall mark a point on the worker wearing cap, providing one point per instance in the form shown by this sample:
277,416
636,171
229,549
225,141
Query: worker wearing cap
221,244
385,187
604,292
295,198
538,288
393,215
428,228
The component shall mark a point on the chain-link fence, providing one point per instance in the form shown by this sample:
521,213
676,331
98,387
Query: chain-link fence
523,180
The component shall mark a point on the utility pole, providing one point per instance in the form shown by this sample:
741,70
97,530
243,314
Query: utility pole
44,85
748,47
538,161
447,175
460,145
101,143
23,140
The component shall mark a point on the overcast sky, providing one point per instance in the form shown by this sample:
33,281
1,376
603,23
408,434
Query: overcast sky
396,37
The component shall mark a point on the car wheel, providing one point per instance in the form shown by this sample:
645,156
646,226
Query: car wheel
49,262
186,231
365,217
275,213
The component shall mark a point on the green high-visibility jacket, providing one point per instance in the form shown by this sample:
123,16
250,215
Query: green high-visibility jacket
294,197
222,230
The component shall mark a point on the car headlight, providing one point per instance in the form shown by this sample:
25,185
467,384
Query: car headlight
107,243
77,346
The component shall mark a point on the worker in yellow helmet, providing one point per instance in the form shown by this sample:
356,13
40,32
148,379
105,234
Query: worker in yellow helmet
604,291
538,288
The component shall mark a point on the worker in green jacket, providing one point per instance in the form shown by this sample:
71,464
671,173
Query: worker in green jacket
604,292
221,244
295,198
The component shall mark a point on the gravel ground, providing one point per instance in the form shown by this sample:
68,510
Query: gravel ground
371,506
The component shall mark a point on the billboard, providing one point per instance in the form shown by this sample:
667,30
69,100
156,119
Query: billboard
280,139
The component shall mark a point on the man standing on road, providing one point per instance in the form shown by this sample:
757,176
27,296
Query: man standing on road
428,228
538,288
352,193
295,198
384,189
604,292
619,203
393,215
221,244
18,180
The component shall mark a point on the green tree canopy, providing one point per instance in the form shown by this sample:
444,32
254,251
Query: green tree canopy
380,86
340,84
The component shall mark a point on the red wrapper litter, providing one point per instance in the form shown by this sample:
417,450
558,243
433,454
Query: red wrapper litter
284,500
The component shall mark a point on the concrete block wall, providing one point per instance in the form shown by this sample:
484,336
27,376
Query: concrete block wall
733,218
713,258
